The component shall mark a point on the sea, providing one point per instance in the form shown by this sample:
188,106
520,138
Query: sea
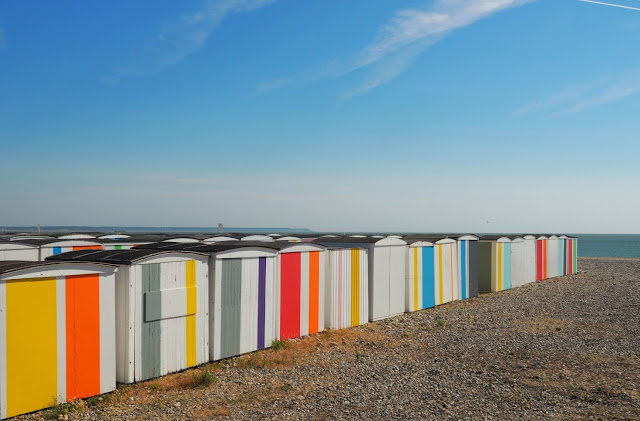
609,245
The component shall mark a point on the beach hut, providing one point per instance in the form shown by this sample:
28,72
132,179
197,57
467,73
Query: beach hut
300,289
129,242
76,237
182,239
28,250
552,256
242,295
113,237
243,315
387,266
51,248
494,263
467,265
426,254
257,237
57,334
420,286
219,238
162,312
523,260
541,257
289,238
347,286
531,260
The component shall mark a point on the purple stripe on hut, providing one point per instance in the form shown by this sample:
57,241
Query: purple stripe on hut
262,274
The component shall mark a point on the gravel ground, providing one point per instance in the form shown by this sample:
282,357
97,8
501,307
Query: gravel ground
566,348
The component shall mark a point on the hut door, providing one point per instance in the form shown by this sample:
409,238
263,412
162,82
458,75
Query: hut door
396,280
380,284
83,336
290,295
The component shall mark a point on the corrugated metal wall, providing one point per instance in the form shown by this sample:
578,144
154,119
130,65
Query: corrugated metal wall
301,293
163,323
387,284
347,288
57,340
244,306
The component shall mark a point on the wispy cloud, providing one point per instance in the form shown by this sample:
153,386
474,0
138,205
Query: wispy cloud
580,97
3,39
398,42
180,38
610,4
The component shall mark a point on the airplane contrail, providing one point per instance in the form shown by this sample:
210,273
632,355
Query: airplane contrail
609,4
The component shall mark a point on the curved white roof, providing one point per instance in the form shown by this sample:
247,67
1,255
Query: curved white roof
76,237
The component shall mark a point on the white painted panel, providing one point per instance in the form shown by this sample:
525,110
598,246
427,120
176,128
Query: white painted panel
518,261
173,303
136,284
447,284
410,273
397,280
107,313
436,276
346,289
552,257
364,285
28,254
322,279
202,317
216,314
304,294
270,308
379,284
61,326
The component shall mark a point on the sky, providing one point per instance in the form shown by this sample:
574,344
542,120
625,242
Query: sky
360,115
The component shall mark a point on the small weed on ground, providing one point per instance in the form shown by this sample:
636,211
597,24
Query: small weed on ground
440,322
59,410
358,356
277,344
205,378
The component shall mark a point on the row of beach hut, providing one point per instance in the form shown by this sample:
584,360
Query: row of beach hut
98,311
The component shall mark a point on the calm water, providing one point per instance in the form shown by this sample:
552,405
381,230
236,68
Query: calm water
609,245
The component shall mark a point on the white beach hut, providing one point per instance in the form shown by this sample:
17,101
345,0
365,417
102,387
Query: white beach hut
387,266
57,334
28,250
162,312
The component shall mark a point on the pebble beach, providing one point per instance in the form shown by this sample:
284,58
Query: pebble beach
564,348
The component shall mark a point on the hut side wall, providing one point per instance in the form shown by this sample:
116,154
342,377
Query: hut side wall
301,294
244,306
67,325
446,285
347,288
166,310
552,257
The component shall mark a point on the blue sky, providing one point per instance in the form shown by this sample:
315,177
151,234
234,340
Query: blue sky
416,115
